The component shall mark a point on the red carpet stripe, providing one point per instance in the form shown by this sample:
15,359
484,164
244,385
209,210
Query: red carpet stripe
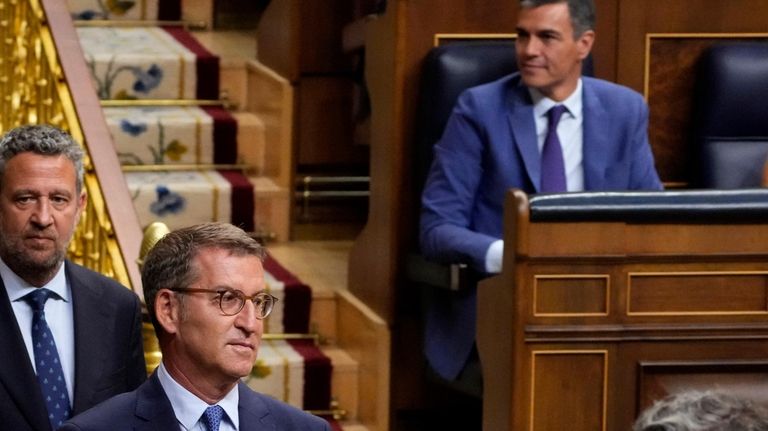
317,375
207,63
298,298
224,135
242,199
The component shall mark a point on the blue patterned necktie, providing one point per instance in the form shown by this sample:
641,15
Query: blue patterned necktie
212,417
552,165
50,375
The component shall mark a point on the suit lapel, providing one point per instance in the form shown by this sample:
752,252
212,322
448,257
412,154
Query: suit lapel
153,409
92,331
17,376
254,415
596,143
524,131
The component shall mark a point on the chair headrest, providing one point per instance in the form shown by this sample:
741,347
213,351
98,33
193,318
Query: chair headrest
732,88
690,206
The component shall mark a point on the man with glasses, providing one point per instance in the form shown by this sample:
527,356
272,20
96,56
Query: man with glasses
205,292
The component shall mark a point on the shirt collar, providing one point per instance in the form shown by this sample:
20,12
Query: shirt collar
188,408
542,104
17,288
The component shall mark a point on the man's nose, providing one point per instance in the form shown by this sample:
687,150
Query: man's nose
246,319
530,47
43,214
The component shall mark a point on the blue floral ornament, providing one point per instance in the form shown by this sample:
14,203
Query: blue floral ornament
147,81
86,15
167,202
133,129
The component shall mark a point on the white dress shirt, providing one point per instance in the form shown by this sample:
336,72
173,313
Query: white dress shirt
570,130
188,408
58,314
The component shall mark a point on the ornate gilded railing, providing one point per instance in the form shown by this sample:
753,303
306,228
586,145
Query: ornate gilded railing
43,79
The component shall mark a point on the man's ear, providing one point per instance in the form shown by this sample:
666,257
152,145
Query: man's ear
167,311
585,42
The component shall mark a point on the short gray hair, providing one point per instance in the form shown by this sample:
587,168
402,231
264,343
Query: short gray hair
582,13
702,411
168,264
44,140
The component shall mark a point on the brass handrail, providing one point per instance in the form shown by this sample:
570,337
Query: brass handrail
335,411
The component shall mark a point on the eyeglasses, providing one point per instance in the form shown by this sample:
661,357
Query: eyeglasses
232,301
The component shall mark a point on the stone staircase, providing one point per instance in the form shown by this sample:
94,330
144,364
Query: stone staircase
258,103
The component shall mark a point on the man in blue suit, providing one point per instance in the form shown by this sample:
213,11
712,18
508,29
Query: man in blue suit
91,323
205,291
494,141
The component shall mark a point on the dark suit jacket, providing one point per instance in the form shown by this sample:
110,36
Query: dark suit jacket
109,357
489,146
148,408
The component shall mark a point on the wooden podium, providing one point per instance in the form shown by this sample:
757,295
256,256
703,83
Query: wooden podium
599,311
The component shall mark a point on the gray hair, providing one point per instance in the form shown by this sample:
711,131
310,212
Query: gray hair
44,140
169,264
702,411
582,13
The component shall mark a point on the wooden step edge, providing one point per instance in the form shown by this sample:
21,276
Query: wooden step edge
352,426
344,380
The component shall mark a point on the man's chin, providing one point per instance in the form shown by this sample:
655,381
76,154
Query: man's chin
534,80
39,261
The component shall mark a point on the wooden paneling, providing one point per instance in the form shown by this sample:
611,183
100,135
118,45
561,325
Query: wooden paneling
604,49
670,64
697,293
571,295
691,308
573,378
326,122
302,42
278,35
320,38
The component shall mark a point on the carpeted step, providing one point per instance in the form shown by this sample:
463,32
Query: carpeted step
169,10
296,297
149,135
294,371
149,63
183,198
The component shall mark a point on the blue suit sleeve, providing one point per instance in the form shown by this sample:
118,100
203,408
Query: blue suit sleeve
446,225
643,175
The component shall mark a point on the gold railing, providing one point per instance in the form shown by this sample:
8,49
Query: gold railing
34,90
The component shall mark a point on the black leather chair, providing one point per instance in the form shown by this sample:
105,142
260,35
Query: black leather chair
730,122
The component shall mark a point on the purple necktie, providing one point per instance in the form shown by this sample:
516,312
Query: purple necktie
552,165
